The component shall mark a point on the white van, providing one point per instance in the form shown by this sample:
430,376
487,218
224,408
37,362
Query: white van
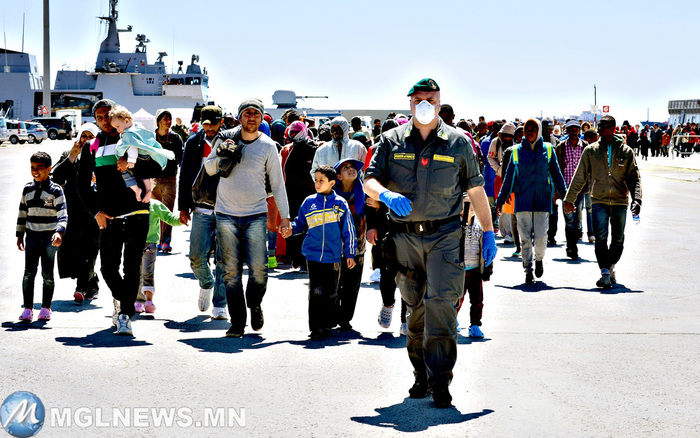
16,131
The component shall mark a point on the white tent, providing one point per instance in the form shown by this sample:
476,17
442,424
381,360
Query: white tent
146,119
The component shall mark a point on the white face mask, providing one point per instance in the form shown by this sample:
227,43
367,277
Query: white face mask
425,112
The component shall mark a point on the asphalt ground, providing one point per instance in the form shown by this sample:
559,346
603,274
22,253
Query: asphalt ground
560,358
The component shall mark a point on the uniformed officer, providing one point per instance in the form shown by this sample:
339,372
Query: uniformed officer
420,171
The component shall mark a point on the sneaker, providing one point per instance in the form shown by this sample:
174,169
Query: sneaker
149,306
160,246
139,307
219,313
27,314
572,254
613,280
79,296
529,278
402,330
124,325
508,239
539,268
272,262
591,239
44,314
256,318
204,299
166,248
384,318
475,332
552,242
327,332
233,332
420,388
92,295
604,282
516,254
376,276
442,397
115,312
344,327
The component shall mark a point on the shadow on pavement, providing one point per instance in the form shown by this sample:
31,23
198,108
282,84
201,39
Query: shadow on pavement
197,324
540,286
417,415
578,261
462,340
385,339
20,326
102,339
186,275
222,344
72,306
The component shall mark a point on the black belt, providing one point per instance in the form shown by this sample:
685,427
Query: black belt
420,228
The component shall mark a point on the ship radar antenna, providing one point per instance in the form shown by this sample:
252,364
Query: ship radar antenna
195,58
161,55
141,38
179,69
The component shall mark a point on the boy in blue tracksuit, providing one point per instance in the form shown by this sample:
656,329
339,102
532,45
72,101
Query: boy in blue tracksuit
330,236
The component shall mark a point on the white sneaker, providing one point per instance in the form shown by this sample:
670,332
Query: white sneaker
204,299
591,239
384,318
115,313
402,330
219,313
376,276
124,325
508,239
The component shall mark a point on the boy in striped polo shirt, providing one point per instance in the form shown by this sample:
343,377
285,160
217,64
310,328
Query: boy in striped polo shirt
43,218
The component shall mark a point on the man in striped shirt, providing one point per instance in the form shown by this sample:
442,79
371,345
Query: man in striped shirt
43,218
569,154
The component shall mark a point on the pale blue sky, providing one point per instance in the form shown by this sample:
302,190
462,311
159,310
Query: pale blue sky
500,59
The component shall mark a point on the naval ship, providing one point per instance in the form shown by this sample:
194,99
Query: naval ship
126,78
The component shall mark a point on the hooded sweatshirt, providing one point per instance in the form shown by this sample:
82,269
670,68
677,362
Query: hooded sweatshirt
331,152
536,171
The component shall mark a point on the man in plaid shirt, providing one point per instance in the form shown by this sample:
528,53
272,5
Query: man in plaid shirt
569,154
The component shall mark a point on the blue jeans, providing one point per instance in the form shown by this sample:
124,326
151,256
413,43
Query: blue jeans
612,216
573,227
241,237
271,243
38,247
202,237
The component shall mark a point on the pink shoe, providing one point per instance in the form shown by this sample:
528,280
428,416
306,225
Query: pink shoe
44,314
27,315
138,307
150,307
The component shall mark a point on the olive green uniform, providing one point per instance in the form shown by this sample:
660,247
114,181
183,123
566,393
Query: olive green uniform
433,174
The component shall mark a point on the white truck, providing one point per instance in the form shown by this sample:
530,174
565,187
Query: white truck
74,117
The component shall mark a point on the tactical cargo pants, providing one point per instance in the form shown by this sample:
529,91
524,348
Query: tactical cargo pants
432,299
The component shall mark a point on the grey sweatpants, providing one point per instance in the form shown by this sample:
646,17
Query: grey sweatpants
532,227
432,304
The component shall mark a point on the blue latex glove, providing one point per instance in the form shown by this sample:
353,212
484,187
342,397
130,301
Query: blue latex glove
489,247
399,204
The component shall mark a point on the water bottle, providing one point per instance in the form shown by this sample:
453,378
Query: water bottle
636,219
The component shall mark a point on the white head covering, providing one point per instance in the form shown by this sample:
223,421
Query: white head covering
88,127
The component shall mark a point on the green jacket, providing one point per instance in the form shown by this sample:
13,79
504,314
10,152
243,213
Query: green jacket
159,212
611,179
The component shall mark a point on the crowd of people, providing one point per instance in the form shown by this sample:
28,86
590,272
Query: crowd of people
427,194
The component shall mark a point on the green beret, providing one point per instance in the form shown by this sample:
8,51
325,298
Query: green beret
426,84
